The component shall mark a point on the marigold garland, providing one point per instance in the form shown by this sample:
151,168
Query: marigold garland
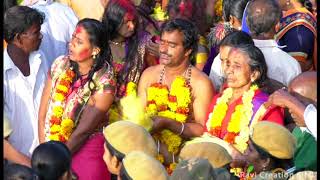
238,126
61,127
173,105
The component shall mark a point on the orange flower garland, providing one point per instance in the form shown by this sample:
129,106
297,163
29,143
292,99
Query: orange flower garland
173,105
238,126
61,127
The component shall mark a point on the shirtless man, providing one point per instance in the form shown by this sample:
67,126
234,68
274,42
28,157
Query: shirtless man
177,47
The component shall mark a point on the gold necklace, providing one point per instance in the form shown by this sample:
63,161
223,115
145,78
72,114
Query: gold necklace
117,43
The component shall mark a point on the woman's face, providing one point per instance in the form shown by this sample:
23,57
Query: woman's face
253,158
80,48
237,70
128,26
111,161
31,38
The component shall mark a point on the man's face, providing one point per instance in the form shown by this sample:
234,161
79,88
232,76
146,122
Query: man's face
31,38
253,157
172,52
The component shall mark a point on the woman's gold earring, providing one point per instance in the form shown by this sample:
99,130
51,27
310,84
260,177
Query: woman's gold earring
94,56
288,2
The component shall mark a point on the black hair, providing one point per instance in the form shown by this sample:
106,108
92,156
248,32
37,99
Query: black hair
19,19
263,21
114,152
124,174
98,38
226,7
50,160
236,38
8,4
237,8
19,172
307,4
234,8
190,37
275,162
256,62
112,20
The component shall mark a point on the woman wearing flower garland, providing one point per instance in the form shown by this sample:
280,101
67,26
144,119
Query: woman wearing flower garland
234,111
127,43
175,94
77,95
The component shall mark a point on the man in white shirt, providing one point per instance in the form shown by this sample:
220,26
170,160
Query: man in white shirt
25,71
57,28
262,18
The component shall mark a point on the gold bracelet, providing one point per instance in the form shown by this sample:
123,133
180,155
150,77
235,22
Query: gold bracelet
182,129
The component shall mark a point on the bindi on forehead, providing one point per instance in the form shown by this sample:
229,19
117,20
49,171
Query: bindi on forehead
79,29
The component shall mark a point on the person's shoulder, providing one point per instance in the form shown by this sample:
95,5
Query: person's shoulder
59,62
153,69
151,74
199,78
61,59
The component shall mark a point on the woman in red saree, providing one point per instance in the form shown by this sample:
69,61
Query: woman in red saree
233,112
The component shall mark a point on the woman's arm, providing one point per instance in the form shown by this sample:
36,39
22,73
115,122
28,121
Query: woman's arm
43,109
11,154
93,114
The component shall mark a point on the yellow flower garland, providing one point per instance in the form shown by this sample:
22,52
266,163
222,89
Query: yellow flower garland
173,105
61,127
238,126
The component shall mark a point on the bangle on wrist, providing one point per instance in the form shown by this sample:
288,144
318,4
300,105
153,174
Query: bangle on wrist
182,129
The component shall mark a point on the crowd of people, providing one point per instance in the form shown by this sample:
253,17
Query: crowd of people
160,89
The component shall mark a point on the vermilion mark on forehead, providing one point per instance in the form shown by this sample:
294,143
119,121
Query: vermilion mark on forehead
79,29
129,16
85,54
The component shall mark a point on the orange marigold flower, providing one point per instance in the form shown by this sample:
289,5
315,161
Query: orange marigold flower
182,110
216,131
162,107
55,120
230,136
172,98
151,102
61,138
